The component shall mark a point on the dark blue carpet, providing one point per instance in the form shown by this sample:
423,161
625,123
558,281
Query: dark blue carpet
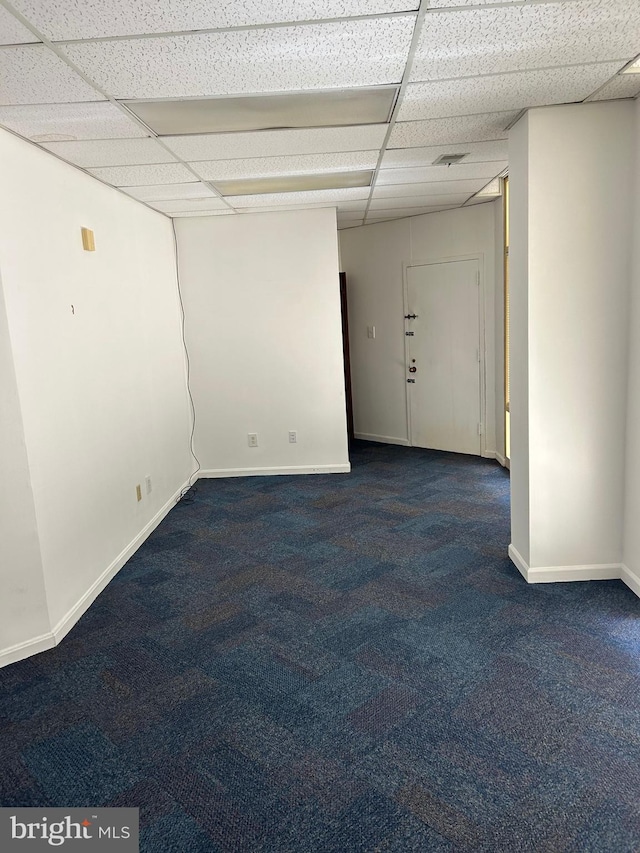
340,663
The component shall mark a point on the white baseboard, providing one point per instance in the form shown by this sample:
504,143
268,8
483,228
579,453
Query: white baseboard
518,561
501,459
26,649
567,574
631,579
341,468
382,439
48,641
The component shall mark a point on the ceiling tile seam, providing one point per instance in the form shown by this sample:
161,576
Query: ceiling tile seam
21,44
513,72
116,165
52,47
280,24
80,169
429,183
455,141
417,30
239,28
610,80
334,153
412,198
516,119
458,115
517,5
273,156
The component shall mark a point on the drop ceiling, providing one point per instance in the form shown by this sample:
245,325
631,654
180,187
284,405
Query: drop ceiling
206,108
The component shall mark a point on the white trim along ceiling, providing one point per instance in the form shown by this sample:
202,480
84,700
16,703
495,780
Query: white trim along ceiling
197,107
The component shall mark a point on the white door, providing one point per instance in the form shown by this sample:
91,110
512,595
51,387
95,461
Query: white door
444,398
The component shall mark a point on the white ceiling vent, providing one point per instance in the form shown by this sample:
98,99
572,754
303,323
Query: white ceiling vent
449,159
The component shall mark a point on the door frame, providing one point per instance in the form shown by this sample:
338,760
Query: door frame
476,256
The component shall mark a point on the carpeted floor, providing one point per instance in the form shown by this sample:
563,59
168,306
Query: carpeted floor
340,663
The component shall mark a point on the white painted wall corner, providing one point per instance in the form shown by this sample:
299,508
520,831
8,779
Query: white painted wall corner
48,641
568,574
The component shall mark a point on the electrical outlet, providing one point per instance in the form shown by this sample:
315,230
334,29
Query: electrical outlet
253,439
371,331
293,436
139,492
147,481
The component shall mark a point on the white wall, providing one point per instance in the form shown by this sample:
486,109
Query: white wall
262,301
101,385
372,257
23,605
631,552
573,279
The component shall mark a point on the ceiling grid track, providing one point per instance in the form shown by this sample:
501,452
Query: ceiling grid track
207,109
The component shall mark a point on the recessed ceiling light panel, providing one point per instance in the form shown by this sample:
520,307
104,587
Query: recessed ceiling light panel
267,112
294,183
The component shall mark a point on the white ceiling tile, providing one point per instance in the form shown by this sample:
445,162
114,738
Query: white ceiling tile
500,92
439,131
178,214
622,86
315,196
452,4
76,19
432,188
304,164
477,152
166,192
139,176
274,143
345,206
280,207
426,174
418,201
55,122
317,56
33,74
187,205
111,152
535,35
401,212
493,188
12,31
359,206
479,199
